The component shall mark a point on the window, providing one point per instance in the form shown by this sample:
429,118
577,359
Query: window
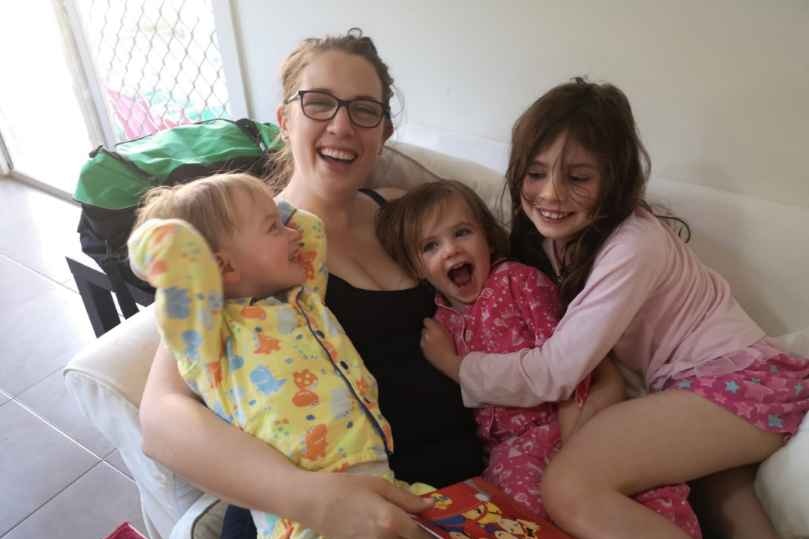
91,72
41,117
157,62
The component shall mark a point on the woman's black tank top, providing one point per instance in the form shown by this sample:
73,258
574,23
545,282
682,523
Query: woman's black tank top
434,434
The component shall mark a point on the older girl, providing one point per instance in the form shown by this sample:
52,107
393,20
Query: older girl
722,396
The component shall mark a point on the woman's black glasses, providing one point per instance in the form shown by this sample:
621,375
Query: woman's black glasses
322,106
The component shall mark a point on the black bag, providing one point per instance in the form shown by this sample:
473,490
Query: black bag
112,183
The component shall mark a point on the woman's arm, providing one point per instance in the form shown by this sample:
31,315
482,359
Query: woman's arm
180,432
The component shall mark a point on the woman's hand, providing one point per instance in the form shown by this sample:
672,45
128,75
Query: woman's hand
439,349
347,506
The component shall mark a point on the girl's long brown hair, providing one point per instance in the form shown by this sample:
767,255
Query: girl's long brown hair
599,118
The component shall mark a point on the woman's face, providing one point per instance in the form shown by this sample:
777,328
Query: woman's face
560,189
334,156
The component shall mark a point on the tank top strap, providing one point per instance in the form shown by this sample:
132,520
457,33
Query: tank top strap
379,199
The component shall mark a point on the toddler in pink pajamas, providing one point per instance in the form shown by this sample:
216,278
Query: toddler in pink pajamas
443,232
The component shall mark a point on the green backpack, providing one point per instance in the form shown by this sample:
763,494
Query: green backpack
112,182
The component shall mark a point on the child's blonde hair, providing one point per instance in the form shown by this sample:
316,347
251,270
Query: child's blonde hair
207,203
399,222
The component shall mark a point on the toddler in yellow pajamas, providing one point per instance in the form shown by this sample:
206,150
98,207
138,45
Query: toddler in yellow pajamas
240,303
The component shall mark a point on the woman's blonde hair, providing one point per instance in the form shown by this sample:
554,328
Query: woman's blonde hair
209,204
399,224
353,42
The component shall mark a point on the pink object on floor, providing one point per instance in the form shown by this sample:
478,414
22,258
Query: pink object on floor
125,531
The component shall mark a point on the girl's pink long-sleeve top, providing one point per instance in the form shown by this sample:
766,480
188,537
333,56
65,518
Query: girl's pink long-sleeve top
649,299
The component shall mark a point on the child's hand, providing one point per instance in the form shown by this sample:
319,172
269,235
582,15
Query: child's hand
439,349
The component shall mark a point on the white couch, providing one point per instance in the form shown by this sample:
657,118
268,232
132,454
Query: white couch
754,243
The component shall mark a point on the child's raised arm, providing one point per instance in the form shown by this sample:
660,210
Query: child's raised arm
174,258
313,246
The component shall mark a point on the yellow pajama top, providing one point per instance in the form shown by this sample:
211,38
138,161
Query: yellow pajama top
280,367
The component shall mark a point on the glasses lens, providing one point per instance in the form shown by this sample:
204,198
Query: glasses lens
365,113
318,106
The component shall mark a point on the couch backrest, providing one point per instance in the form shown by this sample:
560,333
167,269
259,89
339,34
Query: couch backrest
761,247
405,165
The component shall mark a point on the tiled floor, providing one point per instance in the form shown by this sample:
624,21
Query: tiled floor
59,477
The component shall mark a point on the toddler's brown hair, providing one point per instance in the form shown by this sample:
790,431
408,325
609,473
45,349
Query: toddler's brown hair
399,222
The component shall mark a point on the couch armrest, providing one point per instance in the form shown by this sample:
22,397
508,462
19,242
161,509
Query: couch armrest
107,380
782,478
781,486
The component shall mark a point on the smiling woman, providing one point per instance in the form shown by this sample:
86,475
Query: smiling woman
327,161
320,146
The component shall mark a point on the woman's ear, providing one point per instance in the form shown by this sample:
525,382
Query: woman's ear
281,118
387,131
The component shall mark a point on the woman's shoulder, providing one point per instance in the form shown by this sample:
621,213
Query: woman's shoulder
390,193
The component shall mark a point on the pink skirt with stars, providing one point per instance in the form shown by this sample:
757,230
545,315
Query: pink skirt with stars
772,393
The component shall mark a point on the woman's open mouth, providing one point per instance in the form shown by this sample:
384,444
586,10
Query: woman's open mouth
336,155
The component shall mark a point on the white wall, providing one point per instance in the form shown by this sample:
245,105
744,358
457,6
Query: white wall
720,89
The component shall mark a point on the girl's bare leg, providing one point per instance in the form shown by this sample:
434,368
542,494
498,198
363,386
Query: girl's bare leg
664,438
729,505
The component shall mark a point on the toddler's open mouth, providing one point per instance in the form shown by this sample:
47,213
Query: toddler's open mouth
461,274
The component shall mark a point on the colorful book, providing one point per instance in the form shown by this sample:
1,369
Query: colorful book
477,509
